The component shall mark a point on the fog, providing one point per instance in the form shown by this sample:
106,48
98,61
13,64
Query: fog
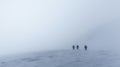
38,25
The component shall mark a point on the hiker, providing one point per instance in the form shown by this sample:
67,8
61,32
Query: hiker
85,47
73,47
77,47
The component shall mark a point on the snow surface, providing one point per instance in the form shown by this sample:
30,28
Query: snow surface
63,58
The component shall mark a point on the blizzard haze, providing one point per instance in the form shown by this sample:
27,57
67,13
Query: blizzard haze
36,25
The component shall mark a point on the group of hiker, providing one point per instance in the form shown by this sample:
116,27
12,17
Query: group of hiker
77,47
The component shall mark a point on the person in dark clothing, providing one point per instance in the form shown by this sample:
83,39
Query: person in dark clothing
85,47
77,47
73,47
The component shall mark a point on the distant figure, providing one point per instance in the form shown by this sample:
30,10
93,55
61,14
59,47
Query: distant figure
73,47
77,47
85,47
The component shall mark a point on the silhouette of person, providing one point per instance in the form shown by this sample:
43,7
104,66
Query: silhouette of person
85,47
77,47
73,47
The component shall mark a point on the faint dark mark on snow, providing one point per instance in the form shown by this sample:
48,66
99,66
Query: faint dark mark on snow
30,59
3,62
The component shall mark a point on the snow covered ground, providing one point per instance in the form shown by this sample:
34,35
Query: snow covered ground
63,58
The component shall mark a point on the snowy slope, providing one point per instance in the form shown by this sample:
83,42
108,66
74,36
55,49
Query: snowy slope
63,58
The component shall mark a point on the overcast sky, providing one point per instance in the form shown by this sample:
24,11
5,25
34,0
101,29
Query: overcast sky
31,25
